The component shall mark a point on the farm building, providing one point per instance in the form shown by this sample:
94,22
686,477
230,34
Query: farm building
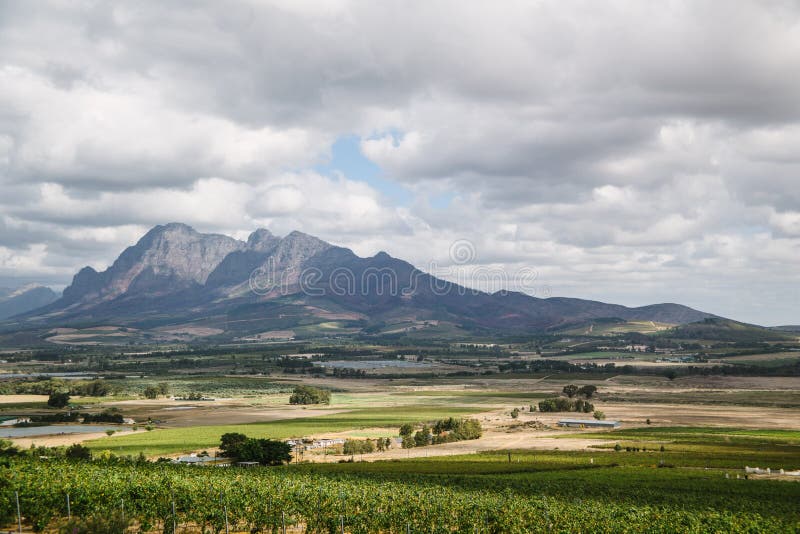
588,423
194,459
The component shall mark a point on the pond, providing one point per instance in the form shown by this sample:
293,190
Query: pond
370,364
25,432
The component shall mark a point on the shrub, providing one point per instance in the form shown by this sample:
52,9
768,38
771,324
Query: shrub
515,413
599,415
78,452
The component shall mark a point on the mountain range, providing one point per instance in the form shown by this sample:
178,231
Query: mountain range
175,277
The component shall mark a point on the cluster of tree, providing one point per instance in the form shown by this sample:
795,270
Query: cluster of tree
72,452
549,366
60,417
412,439
344,372
106,416
357,446
92,388
456,429
195,396
586,392
570,403
442,431
112,415
563,404
86,388
263,451
310,395
153,392
295,365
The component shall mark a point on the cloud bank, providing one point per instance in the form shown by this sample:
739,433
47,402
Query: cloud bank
633,152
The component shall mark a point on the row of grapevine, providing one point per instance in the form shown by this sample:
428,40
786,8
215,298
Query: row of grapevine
261,500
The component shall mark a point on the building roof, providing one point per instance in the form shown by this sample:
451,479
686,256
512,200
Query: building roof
587,422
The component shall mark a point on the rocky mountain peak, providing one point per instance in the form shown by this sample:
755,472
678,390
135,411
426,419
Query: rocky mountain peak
296,248
261,240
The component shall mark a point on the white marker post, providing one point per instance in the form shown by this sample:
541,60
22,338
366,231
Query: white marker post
19,516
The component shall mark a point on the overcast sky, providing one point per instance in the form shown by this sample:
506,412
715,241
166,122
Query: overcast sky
632,152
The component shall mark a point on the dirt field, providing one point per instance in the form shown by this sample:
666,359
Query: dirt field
218,412
63,440
498,433
19,399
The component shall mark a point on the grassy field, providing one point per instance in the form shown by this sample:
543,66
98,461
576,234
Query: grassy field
783,399
176,440
771,359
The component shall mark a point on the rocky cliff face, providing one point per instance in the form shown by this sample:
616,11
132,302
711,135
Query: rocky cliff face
167,258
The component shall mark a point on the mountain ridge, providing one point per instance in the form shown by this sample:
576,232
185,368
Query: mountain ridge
175,274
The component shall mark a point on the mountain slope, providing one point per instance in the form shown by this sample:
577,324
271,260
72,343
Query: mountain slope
175,275
24,299
728,330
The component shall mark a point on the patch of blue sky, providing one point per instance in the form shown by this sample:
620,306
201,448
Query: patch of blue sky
347,159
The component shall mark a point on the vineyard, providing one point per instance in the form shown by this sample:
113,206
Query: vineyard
488,494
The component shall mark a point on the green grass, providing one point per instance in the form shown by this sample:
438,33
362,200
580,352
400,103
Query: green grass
175,440
698,434
707,447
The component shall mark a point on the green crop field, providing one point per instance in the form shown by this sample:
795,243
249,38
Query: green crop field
553,492
175,440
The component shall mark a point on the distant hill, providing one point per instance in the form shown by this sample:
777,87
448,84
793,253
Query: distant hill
728,330
787,328
177,276
24,299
